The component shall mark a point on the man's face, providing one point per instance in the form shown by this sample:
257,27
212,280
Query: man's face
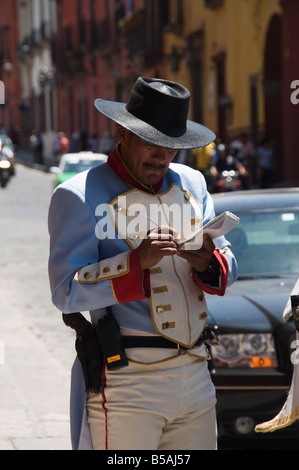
147,162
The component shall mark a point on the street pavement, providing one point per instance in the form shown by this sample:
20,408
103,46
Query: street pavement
36,348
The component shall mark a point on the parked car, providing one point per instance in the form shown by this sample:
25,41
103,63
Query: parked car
73,163
9,150
251,368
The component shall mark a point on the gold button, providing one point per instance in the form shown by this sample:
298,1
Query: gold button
133,236
106,270
163,308
160,290
155,270
97,275
87,275
195,221
118,208
120,268
168,324
187,196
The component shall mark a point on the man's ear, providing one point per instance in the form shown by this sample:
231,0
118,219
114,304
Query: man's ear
122,134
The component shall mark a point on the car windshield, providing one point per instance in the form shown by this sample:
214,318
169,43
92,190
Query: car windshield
76,166
266,243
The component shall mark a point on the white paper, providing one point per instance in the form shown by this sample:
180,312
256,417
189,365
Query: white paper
217,227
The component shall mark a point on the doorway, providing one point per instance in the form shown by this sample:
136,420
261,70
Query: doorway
273,91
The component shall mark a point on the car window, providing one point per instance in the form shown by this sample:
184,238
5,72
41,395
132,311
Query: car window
266,243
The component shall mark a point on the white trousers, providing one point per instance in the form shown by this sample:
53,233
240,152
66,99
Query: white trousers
166,406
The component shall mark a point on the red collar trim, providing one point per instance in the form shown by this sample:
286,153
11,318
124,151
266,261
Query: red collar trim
117,164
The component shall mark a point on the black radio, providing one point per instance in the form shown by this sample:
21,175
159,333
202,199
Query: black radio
110,341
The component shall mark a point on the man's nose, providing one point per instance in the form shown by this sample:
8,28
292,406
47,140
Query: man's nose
160,154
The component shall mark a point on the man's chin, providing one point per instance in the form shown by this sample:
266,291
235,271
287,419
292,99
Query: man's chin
152,179
153,176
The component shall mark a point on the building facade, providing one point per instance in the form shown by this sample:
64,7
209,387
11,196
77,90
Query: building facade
233,56
238,58
102,46
289,95
9,75
38,98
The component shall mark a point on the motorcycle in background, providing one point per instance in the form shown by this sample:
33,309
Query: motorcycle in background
228,173
4,170
229,180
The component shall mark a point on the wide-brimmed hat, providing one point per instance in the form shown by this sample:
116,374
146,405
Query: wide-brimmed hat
157,112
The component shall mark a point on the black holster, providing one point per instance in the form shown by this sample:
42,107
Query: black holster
91,357
96,346
88,350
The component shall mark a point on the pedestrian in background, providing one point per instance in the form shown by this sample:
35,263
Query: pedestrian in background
265,163
36,142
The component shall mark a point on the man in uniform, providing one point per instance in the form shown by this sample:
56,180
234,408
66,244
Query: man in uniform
114,234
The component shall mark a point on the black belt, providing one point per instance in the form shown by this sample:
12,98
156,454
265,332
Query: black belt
160,342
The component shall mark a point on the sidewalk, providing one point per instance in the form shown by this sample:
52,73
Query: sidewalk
26,157
37,350
34,390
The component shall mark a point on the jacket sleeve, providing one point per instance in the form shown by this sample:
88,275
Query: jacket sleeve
79,280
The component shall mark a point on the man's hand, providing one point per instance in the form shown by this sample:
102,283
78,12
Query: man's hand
199,259
160,242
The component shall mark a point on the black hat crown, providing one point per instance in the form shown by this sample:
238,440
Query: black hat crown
161,104
157,112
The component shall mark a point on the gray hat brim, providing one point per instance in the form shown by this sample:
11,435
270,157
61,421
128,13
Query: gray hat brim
195,135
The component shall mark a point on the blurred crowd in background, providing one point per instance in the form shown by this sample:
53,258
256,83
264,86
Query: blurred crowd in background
240,163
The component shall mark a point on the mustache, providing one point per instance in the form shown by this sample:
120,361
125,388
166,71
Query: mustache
155,167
